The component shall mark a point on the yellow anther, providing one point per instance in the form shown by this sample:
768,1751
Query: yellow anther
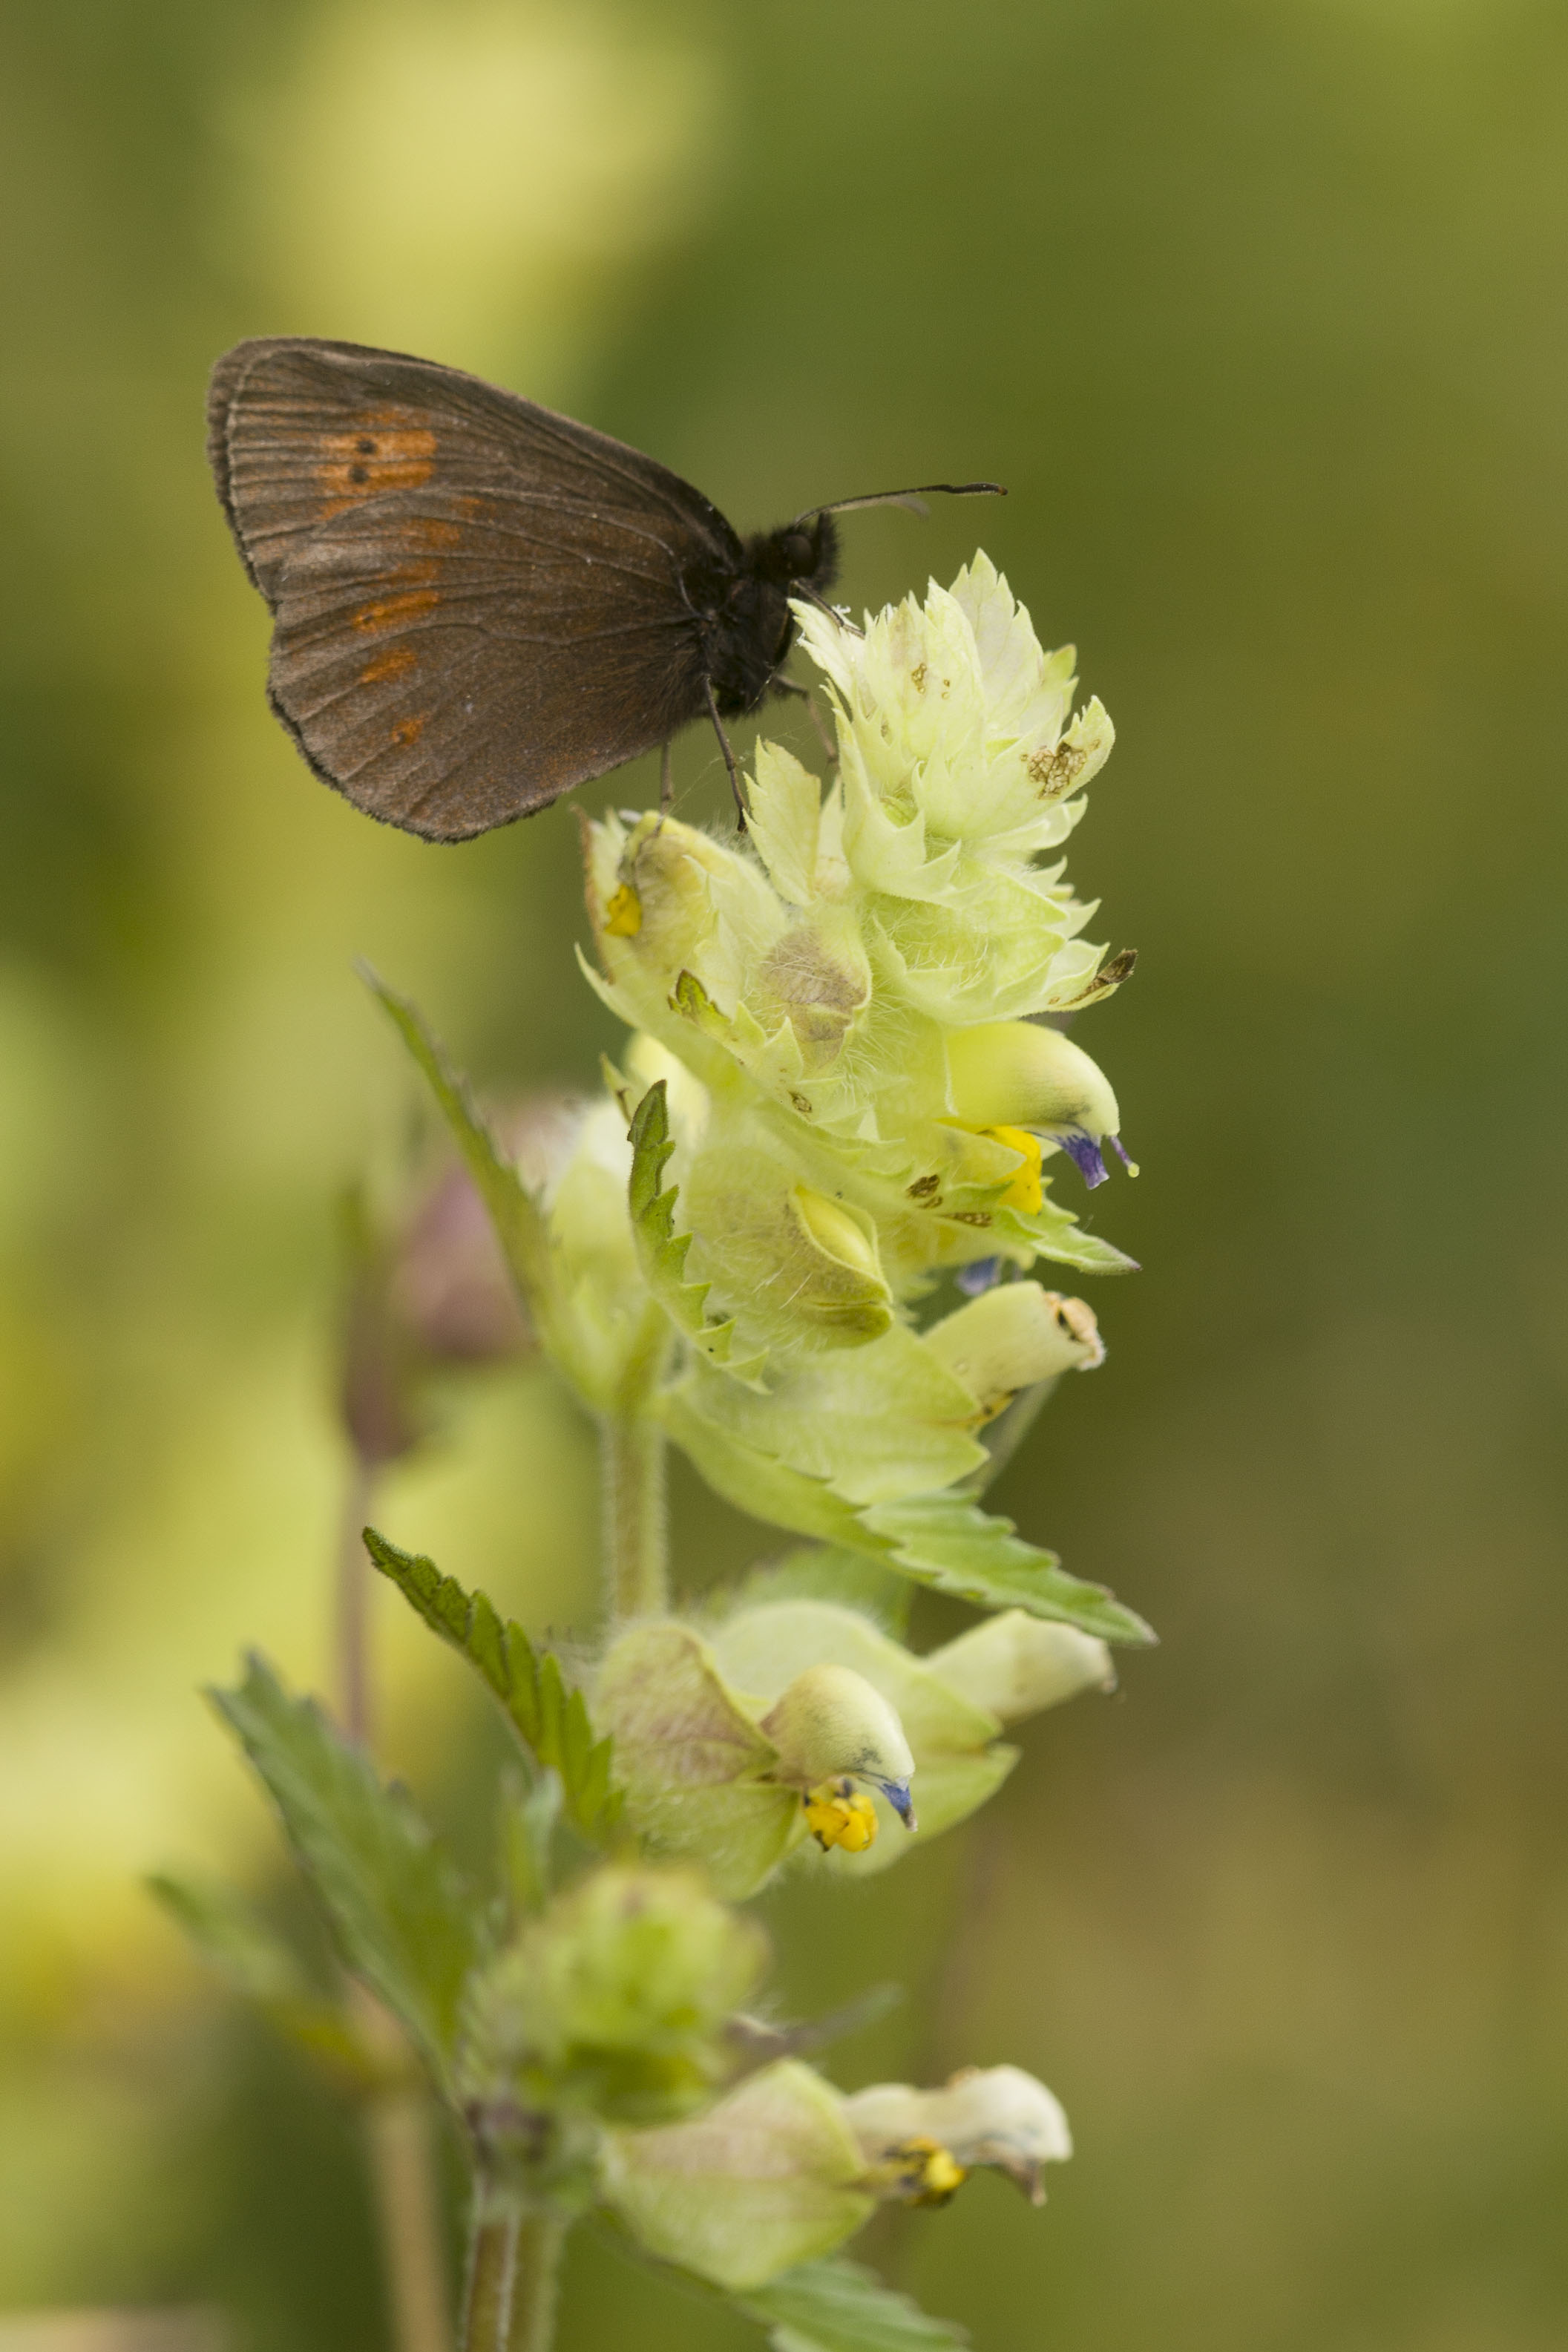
920,2172
624,915
837,1814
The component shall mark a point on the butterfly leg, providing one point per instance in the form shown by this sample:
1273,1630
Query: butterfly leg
792,686
728,756
666,783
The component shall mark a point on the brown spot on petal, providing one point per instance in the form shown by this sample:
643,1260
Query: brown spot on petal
1055,771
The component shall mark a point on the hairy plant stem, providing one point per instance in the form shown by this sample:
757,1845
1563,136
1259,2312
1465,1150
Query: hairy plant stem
396,2120
397,2128
352,1610
492,2274
536,2283
636,1554
514,2266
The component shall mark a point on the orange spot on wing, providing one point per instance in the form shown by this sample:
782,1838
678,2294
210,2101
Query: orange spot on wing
391,664
379,454
390,612
409,730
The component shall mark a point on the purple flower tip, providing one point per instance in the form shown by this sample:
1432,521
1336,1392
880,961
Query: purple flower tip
984,1275
898,1797
1084,1154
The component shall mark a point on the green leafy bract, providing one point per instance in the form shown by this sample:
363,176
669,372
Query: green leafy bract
943,1540
520,1227
404,1921
662,1251
839,2306
947,1541
551,1718
1057,1234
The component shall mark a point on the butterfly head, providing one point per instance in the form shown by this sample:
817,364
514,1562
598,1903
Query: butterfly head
804,553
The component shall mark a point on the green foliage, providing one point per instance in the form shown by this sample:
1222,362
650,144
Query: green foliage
943,1540
662,1251
254,1962
528,1823
551,1718
839,2306
404,1921
519,1224
1057,1234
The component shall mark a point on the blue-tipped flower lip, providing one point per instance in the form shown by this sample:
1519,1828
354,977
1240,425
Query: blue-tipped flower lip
1084,1152
981,1275
898,1797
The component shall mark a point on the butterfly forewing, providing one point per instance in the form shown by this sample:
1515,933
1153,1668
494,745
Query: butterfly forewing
477,604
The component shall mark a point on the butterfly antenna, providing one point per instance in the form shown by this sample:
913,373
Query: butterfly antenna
913,501
728,756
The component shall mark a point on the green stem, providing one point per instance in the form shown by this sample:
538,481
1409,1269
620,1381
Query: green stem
536,2279
514,2266
636,1558
351,1611
398,2129
492,2276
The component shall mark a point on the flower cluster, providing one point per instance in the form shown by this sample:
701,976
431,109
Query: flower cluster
845,1091
798,1233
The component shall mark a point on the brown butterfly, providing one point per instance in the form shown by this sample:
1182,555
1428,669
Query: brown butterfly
477,604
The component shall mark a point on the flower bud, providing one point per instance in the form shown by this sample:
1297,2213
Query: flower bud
1010,1338
1019,1074
617,1994
995,2116
793,1266
1017,1665
769,2178
836,1233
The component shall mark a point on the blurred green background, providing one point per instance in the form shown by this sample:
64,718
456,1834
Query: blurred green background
1261,310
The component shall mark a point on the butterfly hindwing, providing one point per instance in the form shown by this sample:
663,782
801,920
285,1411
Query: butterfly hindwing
477,604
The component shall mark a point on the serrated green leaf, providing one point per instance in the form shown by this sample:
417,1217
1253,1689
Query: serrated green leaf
520,1227
840,2306
234,1941
404,1921
1055,1234
528,1825
943,1540
241,1948
662,1251
549,1717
